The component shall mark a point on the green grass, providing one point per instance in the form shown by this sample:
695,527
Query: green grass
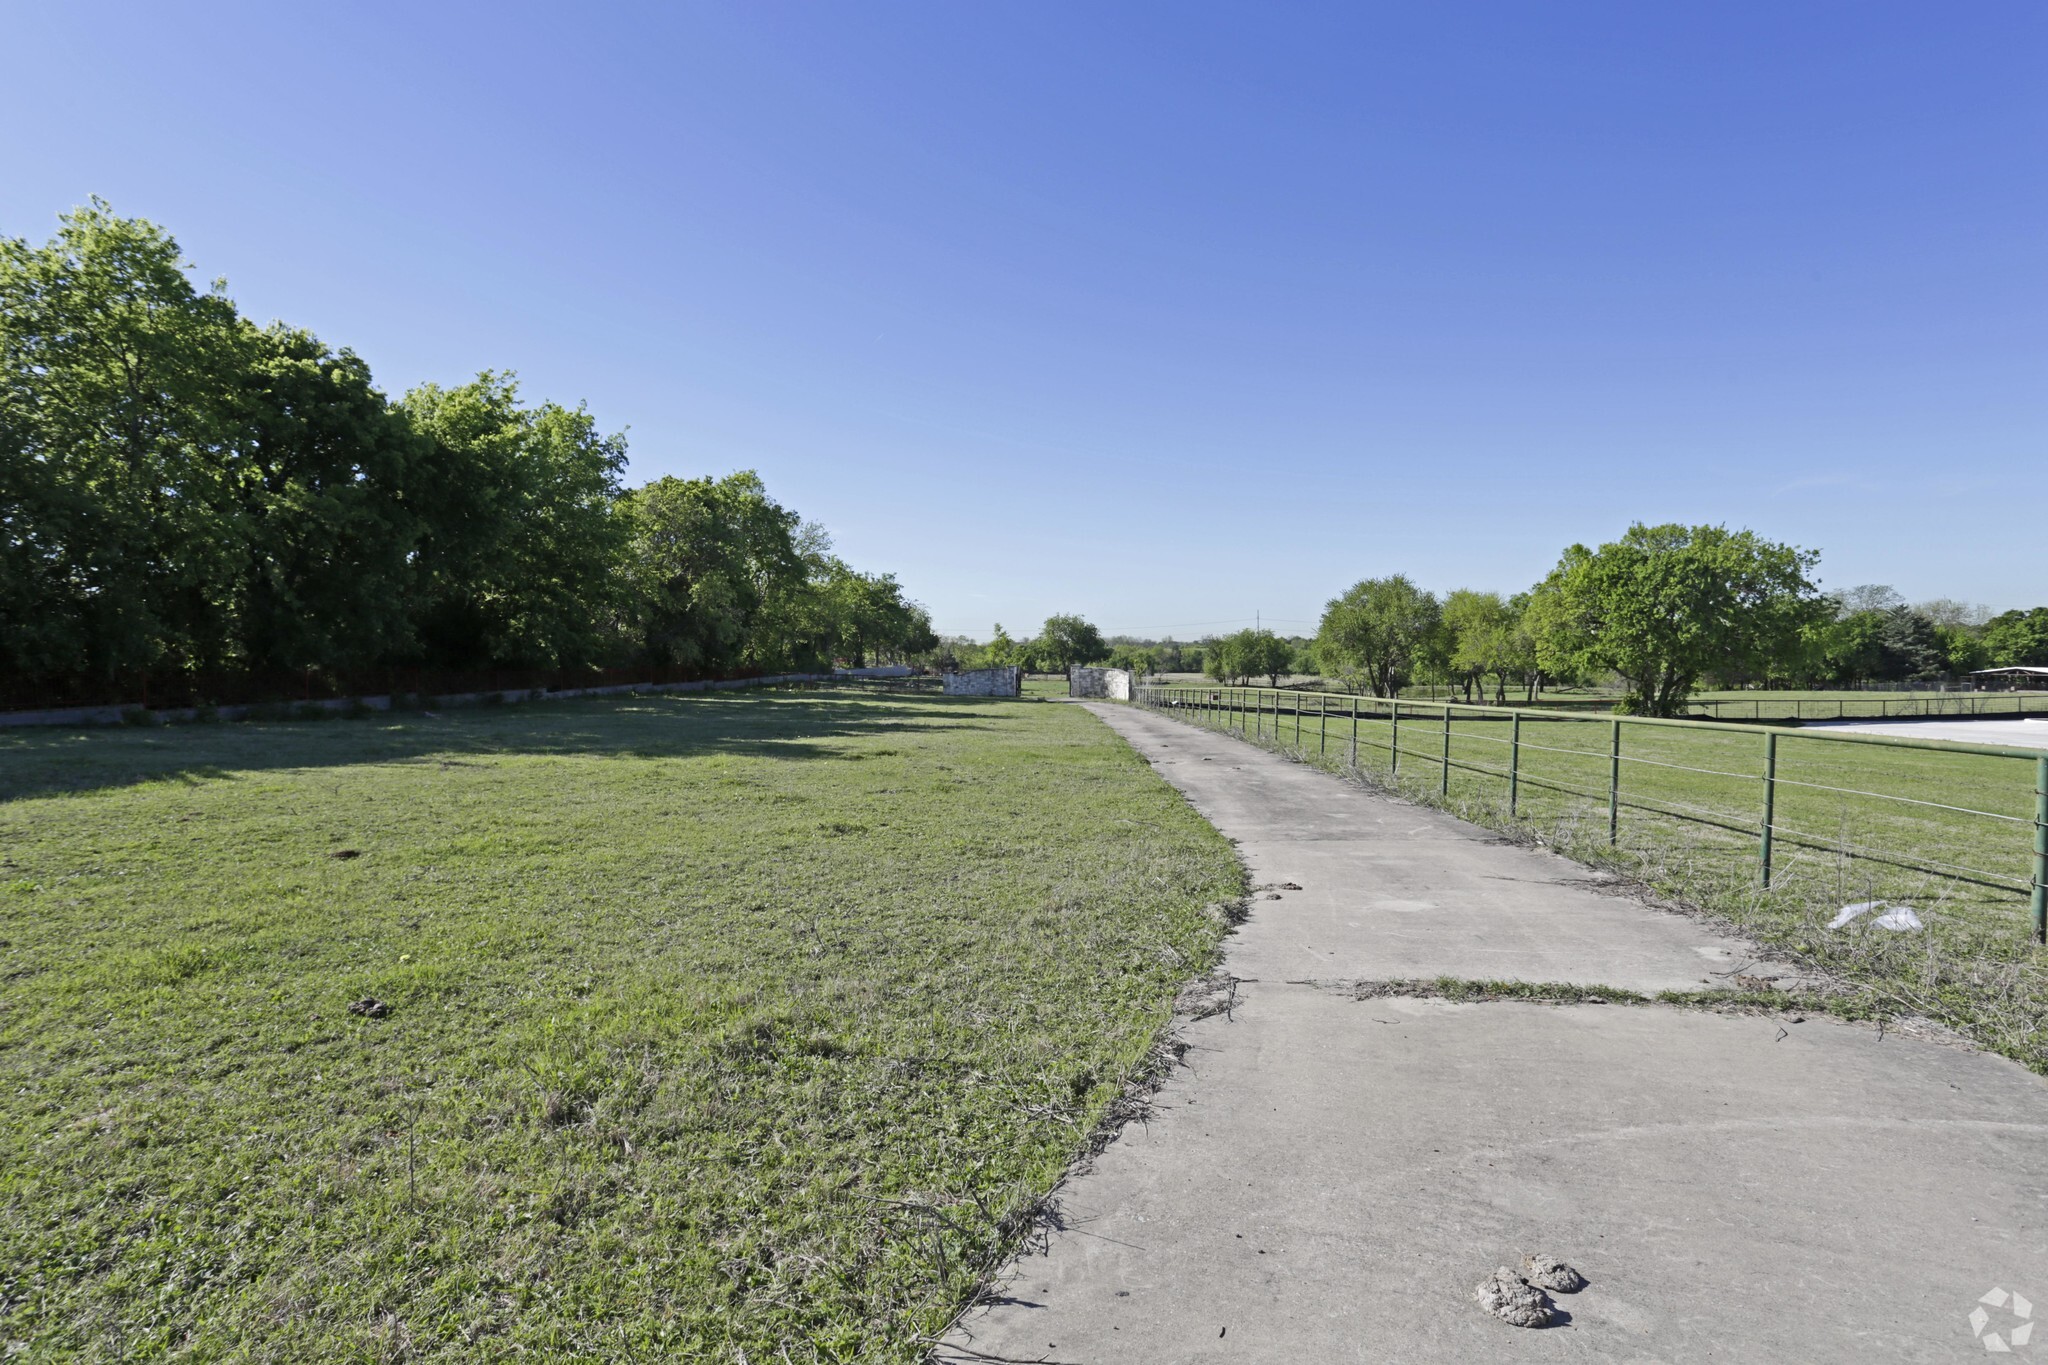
1688,827
718,1023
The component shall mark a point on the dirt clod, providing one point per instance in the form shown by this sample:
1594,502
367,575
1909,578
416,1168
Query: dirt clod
1290,886
1513,1300
1547,1272
346,853
369,1007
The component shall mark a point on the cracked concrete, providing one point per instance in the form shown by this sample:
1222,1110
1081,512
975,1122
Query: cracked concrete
1328,1178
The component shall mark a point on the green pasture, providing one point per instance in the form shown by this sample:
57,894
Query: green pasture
722,1027
1950,833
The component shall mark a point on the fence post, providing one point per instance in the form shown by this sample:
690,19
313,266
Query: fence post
1394,759
1445,788
1514,763
1322,725
1354,734
2041,850
1770,803
1614,785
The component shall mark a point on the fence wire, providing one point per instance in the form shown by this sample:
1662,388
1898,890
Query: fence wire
1942,829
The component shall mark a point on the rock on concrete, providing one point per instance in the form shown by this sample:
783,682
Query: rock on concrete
1328,1178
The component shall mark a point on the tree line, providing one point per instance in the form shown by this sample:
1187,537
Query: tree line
1062,641
185,494
1665,609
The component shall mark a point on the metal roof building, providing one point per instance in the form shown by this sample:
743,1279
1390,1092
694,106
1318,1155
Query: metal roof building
2014,675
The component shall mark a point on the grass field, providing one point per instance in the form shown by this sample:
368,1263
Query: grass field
720,1027
1688,824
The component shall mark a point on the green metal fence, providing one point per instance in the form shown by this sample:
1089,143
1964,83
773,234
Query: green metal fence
1973,815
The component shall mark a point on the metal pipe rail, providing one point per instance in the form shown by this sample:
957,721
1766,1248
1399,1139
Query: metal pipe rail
1255,710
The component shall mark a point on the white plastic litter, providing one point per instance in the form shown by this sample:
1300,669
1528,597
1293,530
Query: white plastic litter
1897,918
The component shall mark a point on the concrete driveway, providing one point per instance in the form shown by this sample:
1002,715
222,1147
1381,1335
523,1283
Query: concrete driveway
1330,1176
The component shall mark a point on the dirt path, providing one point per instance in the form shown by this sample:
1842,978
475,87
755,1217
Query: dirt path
1330,1176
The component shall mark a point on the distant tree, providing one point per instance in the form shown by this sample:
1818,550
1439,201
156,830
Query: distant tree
1068,640
1488,636
2017,638
1963,650
1379,633
1261,653
1841,646
1871,597
1217,662
1666,604
1947,611
1909,646
1002,650
1137,658
861,614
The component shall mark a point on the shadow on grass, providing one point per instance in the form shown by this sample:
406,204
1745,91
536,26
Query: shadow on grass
791,726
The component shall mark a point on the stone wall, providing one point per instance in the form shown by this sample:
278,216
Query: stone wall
1113,683
985,682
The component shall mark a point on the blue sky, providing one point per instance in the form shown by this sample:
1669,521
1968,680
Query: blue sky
1163,313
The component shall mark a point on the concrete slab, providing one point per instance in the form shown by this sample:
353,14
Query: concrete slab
1391,890
1329,1177
2027,733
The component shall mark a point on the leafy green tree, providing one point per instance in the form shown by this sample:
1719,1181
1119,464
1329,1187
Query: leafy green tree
1217,660
322,463
521,543
1002,650
1246,654
1138,659
1963,650
1488,636
116,380
1666,604
2014,639
867,613
1379,633
710,562
1068,640
1843,645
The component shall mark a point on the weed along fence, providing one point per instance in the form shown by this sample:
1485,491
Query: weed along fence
1958,827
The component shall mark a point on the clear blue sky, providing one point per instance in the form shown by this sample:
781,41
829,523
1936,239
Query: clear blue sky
1164,313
